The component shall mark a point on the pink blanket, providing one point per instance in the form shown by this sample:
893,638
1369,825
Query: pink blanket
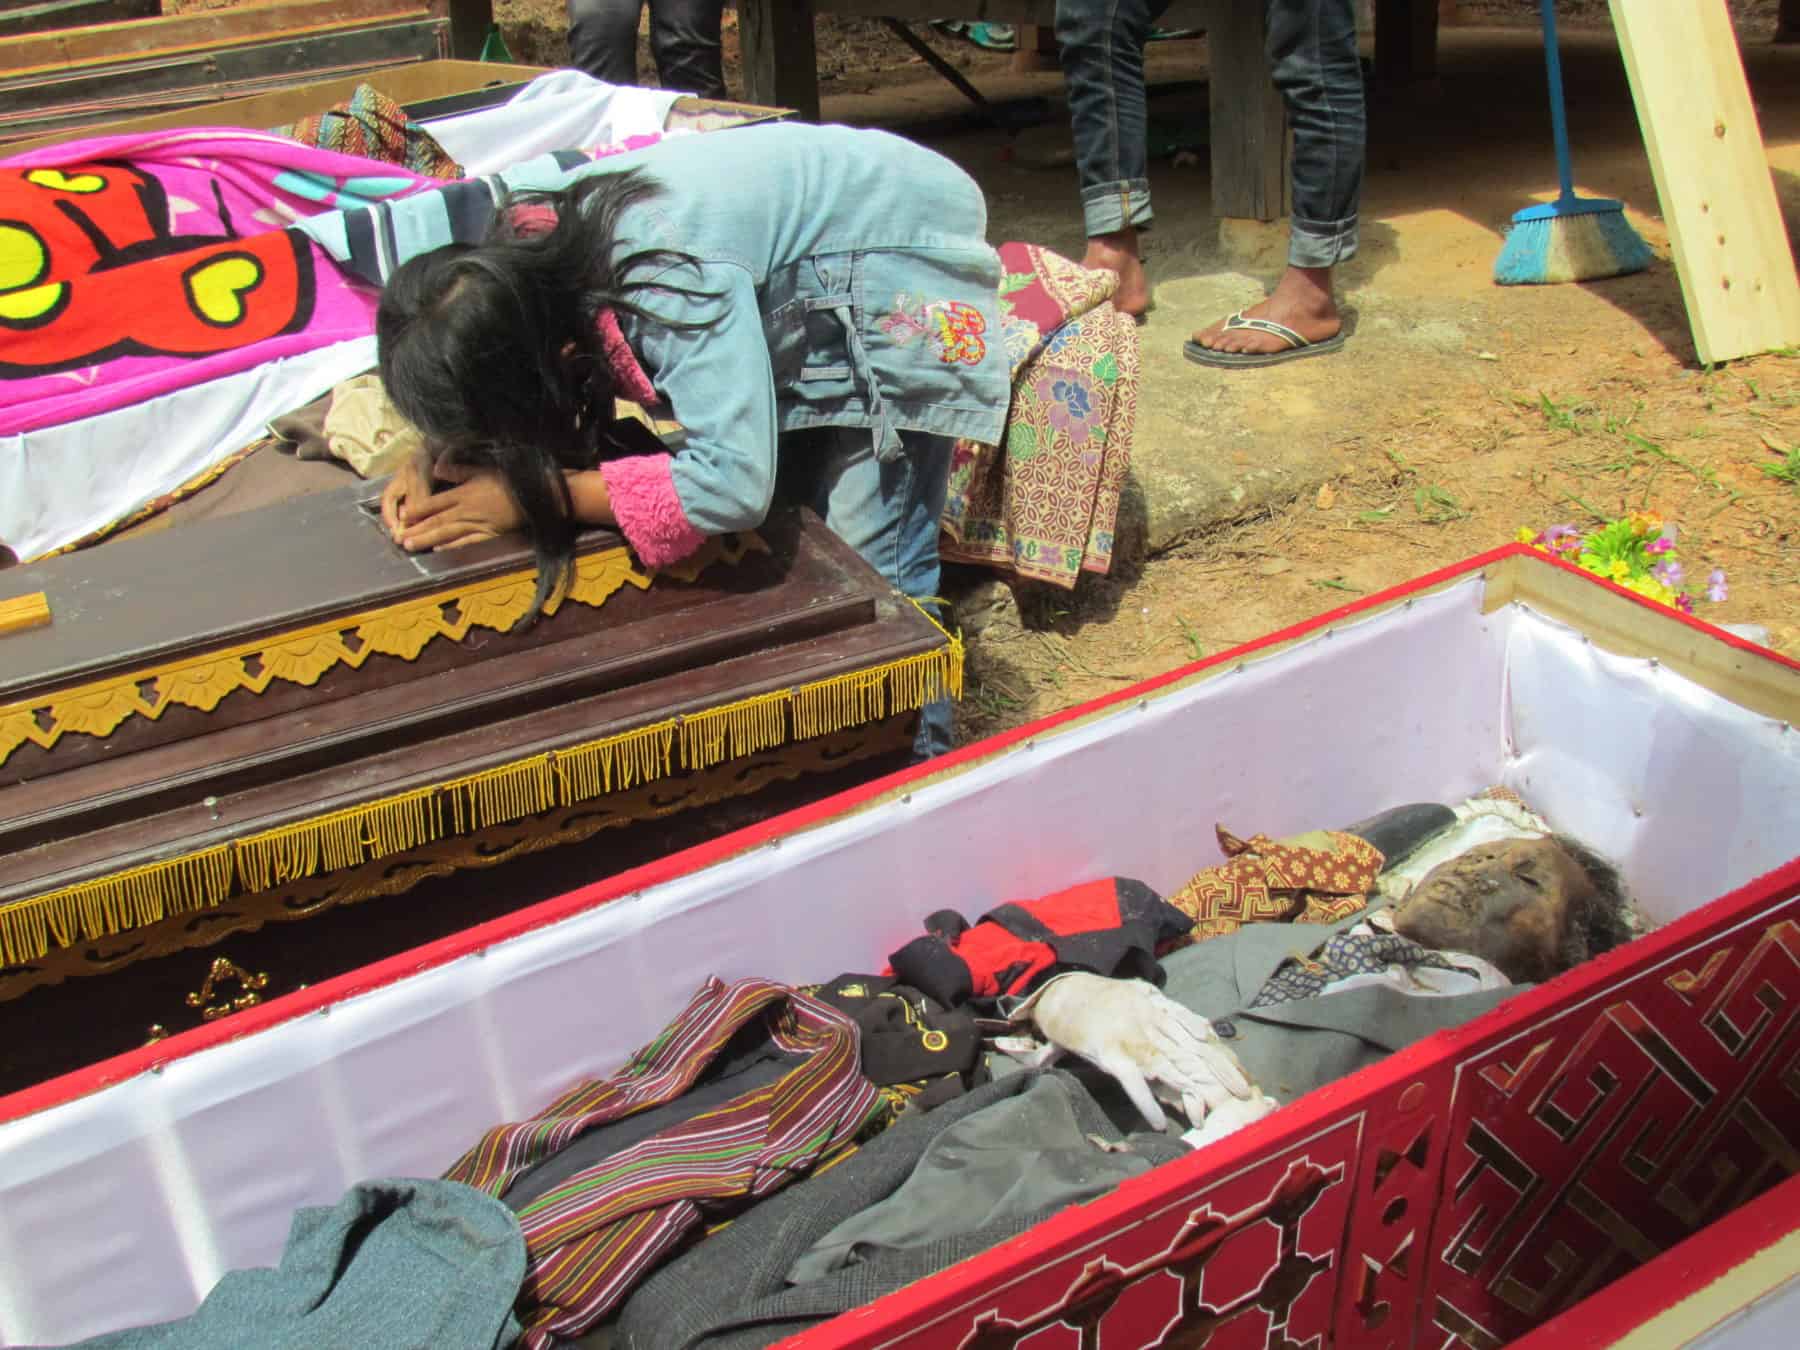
134,265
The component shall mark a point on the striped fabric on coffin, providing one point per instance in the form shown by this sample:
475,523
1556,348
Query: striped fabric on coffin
591,1239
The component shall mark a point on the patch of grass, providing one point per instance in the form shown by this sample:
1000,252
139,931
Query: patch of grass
1788,470
1436,505
1560,415
1336,584
1191,636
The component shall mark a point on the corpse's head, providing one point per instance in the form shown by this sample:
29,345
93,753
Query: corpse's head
1533,907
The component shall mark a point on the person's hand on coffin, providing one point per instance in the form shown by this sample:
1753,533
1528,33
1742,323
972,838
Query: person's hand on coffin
1152,1045
478,505
410,485
1532,907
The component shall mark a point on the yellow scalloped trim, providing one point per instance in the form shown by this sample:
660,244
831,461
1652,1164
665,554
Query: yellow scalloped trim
538,783
304,655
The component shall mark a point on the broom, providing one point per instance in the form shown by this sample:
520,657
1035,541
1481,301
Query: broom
1572,238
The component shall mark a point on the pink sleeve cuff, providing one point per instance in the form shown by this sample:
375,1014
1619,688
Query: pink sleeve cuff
642,491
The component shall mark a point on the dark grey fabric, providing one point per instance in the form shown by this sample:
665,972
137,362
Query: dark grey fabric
1024,1155
1291,1048
434,1265
731,1292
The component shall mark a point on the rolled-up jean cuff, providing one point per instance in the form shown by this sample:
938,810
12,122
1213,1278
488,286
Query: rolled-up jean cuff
1109,207
1312,244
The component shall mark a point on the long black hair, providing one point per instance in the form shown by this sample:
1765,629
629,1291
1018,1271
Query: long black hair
491,349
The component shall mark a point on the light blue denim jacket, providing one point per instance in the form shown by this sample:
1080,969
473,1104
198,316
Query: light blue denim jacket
854,287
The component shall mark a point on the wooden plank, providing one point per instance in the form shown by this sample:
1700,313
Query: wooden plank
781,55
404,84
1712,176
185,32
1406,40
288,58
37,18
24,611
1249,123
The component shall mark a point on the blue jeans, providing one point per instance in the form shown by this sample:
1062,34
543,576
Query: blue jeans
1313,61
684,39
888,513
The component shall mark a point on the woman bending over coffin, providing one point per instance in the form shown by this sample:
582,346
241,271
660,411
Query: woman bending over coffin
817,303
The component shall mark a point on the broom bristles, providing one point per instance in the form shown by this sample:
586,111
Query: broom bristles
1582,246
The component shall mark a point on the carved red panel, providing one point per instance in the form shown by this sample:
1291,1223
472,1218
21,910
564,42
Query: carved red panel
1603,1134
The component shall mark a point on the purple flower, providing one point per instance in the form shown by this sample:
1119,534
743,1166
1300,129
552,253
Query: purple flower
1715,585
1553,536
1685,603
1669,573
1661,544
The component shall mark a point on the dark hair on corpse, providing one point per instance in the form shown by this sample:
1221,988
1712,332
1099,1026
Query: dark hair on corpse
490,349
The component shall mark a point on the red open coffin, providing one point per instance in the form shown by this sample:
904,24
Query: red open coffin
1461,1193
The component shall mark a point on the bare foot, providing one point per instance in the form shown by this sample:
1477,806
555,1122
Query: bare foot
1118,252
1301,301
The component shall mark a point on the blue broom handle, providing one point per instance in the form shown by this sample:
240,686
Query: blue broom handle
1559,126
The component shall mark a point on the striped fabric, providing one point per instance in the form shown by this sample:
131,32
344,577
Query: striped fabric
591,1239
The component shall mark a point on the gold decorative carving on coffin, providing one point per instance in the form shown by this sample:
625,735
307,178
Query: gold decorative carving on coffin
482,849
336,840
303,655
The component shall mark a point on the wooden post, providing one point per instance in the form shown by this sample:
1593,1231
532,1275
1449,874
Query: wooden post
469,23
781,57
1406,35
1249,124
1036,49
1787,22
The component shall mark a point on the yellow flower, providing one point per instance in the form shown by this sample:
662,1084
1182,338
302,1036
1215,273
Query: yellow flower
1652,588
1525,534
1620,569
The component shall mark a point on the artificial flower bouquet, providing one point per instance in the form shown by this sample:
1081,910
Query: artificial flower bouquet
1637,551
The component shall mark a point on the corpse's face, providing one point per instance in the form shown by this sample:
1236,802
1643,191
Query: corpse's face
1511,903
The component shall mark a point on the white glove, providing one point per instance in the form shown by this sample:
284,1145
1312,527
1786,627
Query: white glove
1233,1115
1151,1044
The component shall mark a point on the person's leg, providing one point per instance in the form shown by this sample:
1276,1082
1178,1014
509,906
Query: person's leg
1102,44
684,39
603,38
889,514
1314,62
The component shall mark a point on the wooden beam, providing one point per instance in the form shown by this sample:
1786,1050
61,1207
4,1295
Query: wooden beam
469,23
1036,49
24,611
1249,123
781,55
404,84
1406,38
1712,176
35,18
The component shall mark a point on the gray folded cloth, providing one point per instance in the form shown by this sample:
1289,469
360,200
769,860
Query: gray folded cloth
1020,1156
404,1265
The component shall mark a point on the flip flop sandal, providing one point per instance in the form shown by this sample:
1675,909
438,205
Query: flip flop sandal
1296,348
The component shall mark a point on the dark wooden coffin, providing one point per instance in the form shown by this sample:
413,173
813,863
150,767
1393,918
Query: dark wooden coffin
267,715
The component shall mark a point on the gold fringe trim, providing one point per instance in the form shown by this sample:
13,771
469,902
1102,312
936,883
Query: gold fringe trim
304,655
393,825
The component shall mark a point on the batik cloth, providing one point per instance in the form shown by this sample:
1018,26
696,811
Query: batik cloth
371,125
1319,877
590,1239
1044,504
1343,955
